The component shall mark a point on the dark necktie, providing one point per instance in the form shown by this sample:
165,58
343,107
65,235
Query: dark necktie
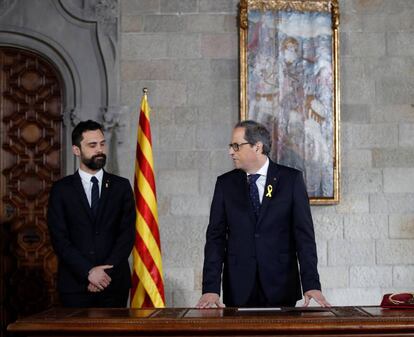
254,193
94,195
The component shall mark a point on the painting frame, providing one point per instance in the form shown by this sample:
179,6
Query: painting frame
266,75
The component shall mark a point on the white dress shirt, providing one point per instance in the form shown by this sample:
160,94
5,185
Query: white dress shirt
87,183
261,181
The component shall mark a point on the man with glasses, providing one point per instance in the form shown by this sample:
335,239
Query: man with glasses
260,229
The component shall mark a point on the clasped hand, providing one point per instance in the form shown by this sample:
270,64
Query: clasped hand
98,278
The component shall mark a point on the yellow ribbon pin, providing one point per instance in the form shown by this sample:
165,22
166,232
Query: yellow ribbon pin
269,191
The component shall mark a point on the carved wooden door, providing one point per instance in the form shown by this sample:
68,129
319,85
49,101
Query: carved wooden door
30,161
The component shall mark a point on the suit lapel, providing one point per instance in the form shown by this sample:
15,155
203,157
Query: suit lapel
77,183
243,192
270,188
106,185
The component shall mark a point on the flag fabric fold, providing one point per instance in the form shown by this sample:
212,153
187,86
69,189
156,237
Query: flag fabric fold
147,278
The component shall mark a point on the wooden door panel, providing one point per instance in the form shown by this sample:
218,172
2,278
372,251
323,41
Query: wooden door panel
31,160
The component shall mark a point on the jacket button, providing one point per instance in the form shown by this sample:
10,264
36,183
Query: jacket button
92,252
97,233
256,235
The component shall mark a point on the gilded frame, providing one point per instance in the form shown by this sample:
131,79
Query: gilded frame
293,78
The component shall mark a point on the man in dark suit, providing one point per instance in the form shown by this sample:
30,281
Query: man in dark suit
260,228
91,220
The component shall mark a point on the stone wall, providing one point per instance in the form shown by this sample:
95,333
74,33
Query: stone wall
186,53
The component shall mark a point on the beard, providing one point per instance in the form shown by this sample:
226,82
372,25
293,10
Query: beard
94,163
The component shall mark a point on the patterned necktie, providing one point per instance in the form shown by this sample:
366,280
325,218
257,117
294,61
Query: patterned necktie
94,195
254,193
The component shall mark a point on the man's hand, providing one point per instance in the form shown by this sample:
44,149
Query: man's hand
317,296
98,278
93,289
209,300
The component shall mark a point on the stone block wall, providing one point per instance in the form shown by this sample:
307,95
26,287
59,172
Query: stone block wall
186,53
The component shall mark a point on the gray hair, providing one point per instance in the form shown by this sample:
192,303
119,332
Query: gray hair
255,132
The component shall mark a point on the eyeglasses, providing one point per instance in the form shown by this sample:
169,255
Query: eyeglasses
236,147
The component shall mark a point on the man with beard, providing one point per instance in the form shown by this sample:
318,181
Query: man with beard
91,220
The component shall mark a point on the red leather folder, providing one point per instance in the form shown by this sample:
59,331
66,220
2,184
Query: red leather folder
398,300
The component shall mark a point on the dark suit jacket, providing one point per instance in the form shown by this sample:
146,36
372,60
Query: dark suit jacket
81,242
273,245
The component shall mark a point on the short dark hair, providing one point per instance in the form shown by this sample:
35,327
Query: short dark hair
255,132
82,127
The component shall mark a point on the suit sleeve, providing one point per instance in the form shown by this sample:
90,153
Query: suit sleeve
59,235
305,236
126,233
215,247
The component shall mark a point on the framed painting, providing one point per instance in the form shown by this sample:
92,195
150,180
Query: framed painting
290,82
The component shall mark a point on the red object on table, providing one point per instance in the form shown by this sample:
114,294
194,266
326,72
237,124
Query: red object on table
398,300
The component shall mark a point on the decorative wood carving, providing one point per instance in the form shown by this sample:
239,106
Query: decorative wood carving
31,135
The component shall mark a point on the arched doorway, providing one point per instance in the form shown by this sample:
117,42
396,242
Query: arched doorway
31,131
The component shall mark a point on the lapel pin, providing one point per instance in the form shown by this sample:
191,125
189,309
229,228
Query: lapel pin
107,184
269,191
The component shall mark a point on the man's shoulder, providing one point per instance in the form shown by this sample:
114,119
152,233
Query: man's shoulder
230,175
116,181
115,178
64,181
286,169
63,186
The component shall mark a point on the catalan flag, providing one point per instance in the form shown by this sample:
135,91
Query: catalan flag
147,278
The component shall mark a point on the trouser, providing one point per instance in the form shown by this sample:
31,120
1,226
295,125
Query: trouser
258,298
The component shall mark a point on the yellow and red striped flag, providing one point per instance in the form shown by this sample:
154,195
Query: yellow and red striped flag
147,278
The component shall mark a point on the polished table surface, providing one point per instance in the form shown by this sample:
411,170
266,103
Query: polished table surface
335,321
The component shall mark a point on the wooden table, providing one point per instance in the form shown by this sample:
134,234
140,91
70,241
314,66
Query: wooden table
335,321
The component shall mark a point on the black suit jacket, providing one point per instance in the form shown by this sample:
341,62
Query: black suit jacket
82,242
273,245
